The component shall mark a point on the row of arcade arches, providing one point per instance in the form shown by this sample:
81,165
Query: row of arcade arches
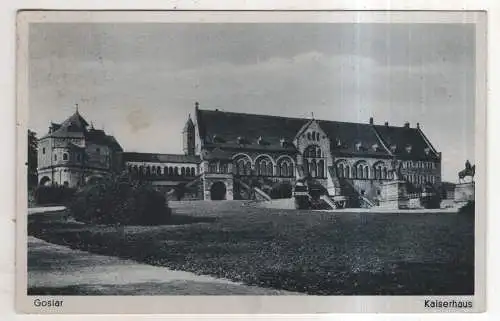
149,170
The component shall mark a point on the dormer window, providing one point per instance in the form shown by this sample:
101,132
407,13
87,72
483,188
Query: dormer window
339,142
375,147
283,142
427,150
408,149
359,146
394,148
241,140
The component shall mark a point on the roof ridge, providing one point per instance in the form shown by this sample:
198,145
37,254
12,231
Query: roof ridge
384,144
427,141
292,118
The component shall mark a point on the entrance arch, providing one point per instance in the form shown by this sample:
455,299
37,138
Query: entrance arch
218,191
45,181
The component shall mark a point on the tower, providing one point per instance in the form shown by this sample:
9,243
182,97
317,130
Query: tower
188,137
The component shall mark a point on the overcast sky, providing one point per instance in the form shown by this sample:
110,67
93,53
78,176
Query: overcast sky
140,81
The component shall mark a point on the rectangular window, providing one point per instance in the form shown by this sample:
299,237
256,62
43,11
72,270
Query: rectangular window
43,150
55,157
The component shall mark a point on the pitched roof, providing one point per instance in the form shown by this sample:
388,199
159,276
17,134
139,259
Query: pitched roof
226,129
161,158
344,138
408,142
237,130
76,127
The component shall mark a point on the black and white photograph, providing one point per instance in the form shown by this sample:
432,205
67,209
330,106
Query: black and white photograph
252,158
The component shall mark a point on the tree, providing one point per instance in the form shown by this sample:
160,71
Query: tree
32,159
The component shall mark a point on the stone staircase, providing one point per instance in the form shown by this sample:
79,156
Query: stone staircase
253,192
345,187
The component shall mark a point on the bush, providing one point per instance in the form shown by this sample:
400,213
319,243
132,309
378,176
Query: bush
44,195
468,208
281,190
120,200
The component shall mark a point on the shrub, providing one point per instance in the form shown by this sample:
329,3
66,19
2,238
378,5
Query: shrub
120,200
468,208
281,190
53,194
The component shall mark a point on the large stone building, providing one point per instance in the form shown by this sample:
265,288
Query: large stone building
72,152
231,155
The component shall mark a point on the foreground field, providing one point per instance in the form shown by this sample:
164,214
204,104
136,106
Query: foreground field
304,251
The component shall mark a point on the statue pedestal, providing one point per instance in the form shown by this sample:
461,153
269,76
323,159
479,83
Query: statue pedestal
393,195
464,192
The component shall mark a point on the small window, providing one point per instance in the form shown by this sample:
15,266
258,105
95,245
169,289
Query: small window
66,183
43,150
55,157
78,157
65,156
309,136
98,150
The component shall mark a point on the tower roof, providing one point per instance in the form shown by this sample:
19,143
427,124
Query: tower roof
189,124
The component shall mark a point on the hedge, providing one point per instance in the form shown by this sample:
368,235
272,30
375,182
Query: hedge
120,200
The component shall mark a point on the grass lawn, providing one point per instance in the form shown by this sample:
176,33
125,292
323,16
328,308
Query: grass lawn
306,251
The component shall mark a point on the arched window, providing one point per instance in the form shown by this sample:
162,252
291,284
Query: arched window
165,171
312,156
264,166
193,171
346,172
314,168
283,169
242,165
212,167
362,170
170,171
224,168
321,168
340,170
148,171
153,170
317,136
309,136
176,171
183,171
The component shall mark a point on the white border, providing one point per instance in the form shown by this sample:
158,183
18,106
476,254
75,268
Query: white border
7,85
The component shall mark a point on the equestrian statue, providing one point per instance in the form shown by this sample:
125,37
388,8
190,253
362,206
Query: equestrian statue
469,170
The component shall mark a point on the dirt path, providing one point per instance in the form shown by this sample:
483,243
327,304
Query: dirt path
55,269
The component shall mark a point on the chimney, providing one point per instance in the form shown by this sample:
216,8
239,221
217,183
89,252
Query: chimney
371,120
196,105
418,125
386,124
407,125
